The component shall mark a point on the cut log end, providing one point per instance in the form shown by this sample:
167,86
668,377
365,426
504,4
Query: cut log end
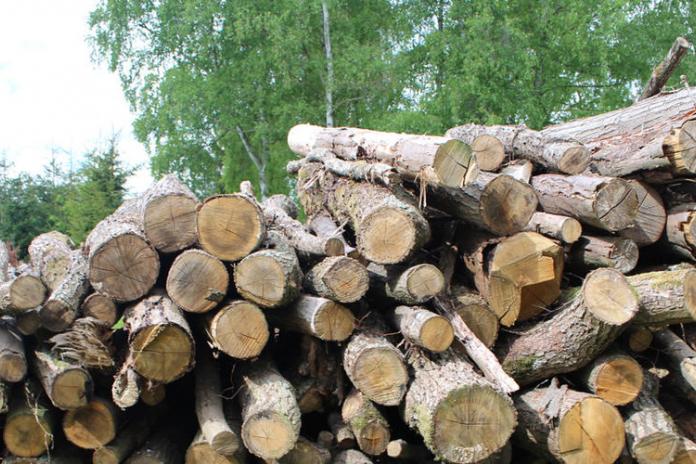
453,163
26,435
489,152
387,236
482,321
91,426
658,447
345,279
162,353
571,230
71,389
333,322
197,281
230,226
385,385
436,334
240,330
13,366
574,160
334,246
616,205
26,292
507,205
639,339
56,315
262,280
609,297
424,281
101,308
680,147
619,380
268,434
170,222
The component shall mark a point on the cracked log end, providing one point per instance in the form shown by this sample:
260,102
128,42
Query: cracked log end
489,152
574,160
26,292
387,236
618,380
162,353
507,205
616,205
609,297
197,281
170,222
91,426
455,164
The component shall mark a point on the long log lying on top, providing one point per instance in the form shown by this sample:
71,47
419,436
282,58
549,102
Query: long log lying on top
50,256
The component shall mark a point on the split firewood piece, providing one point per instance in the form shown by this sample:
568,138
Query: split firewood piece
306,452
604,202
423,328
563,228
451,160
446,398
4,397
168,209
22,291
238,329
161,344
345,439
230,226
370,428
13,361
93,425
638,338
338,278
680,230
519,276
200,452
408,452
651,436
131,436
412,285
651,218
666,297
519,169
569,426
271,277
663,71
351,456
474,311
28,322
388,226
270,414
122,263
614,376
209,409
67,385
197,281
61,308
50,257
680,356
563,155
101,308
618,253
367,349
316,316
167,444
584,326
680,147
125,389
29,423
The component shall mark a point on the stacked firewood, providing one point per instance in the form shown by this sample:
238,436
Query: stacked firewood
486,296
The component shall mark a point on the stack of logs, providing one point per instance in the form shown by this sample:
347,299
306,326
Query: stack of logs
487,296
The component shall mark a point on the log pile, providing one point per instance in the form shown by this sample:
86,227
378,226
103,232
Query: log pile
486,296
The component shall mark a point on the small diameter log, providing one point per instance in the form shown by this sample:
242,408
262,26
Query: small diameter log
338,278
200,452
663,71
24,290
230,226
93,425
681,358
341,431
519,169
423,328
388,226
476,314
638,338
197,281
122,263
614,376
50,257
101,308
651,436
317,316
604,202
351,456
169,215
569,426
325,439
322,225
652,216
666,297
461,416
161,344
370,428
13,361
125,390
238,329
167,444
209,410
61,308
29,424
130,437
618,253
489,152
272,277
679,147
584,327
563,228
568,156
416,284
270,415
67,385
306,452
405,451
680,230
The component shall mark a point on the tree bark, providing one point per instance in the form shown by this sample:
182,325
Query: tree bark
306,452
664,70
665,297
614,376
61,308
680,356
50,257
13,361
197,281
4,397
238,329
317,316
563,228
680,230
423,328
358,170
338,278
101,308
591,252
200,452
93,425
167,444
651,218
370,428
29,424
67,385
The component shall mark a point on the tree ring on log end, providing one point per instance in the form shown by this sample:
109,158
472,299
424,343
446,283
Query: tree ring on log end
454,163
260,279
609,297
625,255
571,230
241,341
656,447
591,431
574,160
162,353
26,435
268,434
71,389
619,380
386,236
27,292
13,367
170,222
616,205
424,281
91,426
380,374
57,316
437,334
489,152
471,423
347,279
333,322
197,281
507,205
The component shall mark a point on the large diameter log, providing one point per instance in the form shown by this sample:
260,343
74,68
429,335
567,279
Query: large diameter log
130,437
238,329
270,414
568,156
29,424
122,263
461,416
200,452
388,228
680,356
614,376
230,226
563,228
101,308
197,281
50,257
591,252
665,297
13,361
61,308
424,328
317,316
67,385
24,290
169,215
584,327
651,218
603,202
680,230
569,426
271,277
306,452
161,345
370,428
93,425
338,278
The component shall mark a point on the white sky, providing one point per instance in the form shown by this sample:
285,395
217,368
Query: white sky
52,97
